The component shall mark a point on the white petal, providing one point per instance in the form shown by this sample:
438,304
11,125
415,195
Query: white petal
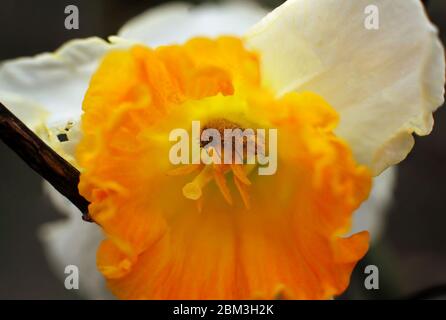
73,242
385,83
372,214
46,91
178,22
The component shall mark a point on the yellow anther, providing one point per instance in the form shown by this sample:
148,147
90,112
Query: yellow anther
193,190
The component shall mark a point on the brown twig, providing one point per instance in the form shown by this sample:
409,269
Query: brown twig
44,160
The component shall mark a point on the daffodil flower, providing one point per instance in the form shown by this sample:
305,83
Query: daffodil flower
345,101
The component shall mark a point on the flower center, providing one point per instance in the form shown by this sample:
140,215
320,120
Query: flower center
219,170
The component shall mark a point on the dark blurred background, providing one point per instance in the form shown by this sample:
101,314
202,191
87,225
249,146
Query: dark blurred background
411,256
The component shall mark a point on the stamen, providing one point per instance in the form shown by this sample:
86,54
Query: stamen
243,190
238,171
221,183
193,190
217,171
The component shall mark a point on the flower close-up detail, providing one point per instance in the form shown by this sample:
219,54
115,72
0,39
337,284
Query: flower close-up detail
230,233
344,100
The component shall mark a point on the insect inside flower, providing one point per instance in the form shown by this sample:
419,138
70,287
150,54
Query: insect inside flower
320,105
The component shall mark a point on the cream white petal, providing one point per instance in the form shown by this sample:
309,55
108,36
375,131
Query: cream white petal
46,91
73,242
385,83
177,22
372,214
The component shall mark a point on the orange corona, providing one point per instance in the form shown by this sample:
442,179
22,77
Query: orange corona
232,233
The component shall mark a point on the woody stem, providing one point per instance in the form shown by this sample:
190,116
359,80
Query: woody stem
40,157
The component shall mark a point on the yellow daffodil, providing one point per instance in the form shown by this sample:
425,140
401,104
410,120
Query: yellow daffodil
345,100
